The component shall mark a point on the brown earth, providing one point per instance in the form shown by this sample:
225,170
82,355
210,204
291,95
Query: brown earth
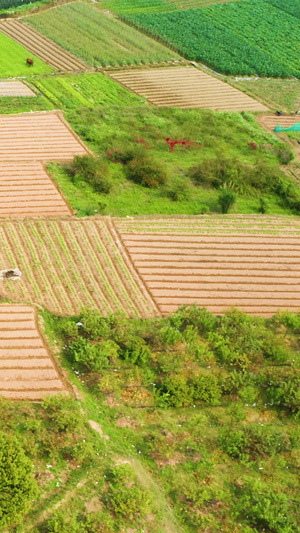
70,263
38,137
27,369
26,190
15,88
186,87
269,122
252,270
41,46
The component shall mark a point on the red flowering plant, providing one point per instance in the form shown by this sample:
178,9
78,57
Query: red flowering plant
184,143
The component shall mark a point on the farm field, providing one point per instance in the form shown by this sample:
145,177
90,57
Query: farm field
289,6
15,88
98,39
24,104
186,87
27,368
37,137
13,59
212,35
278,94
26,190
156,6
271,121
257,273
85,90
44,48
68,264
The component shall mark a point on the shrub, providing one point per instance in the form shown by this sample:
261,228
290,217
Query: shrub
207,389
284,391
93,356
179,190
145,171
94,324
253,442
263,508
226,199
136,351
93,171
125,499
263,206
63,413
18,487
176,392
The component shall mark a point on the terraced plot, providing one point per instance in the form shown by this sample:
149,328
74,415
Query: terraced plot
27,190
270,122
186,87
15,88
217,262
41,46
27,371
38,137
67,264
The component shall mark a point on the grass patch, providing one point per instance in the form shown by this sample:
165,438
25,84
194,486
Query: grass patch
13,60
108,133
86,90
278,94
23,104
97,38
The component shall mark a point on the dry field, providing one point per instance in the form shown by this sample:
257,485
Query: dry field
217,262
41,46
15,88
67,264
27,369
38,137
186,87
27,190
269,122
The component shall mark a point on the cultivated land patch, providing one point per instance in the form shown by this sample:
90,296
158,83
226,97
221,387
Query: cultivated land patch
252,263
186,87
68,264
97,38
41,46
27,371
38,137
13,59
15,88
27,190
270,122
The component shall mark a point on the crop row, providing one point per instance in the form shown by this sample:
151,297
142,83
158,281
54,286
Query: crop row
290,6
7,4
235,38
97,38
69,264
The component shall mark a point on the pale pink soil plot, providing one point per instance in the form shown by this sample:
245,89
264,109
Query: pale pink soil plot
186,87
271,121
38,137
41,46
27,190
27,371
216,265
15,88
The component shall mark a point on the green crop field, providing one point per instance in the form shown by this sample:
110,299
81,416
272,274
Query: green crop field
290,6
97,38
246,38
84,90
13,60
23,104
155,6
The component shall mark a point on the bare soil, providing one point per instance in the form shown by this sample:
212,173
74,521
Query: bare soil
15,88
186,87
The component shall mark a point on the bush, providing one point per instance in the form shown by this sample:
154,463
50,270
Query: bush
253,442
226,199
94,324
179,190
93,171
207,389
64,414
18,487
93,356
176,392
125,499
136,352
264,509
146,171
284,390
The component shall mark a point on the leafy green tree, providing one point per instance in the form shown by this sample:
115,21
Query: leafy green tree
226,200
17,485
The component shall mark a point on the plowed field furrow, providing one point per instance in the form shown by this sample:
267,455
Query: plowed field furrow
15,88
271,121
36,137
180,264
25,364
70,263
186,87
32,396
41,46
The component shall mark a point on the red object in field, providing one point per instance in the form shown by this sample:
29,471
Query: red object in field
29,61
253,146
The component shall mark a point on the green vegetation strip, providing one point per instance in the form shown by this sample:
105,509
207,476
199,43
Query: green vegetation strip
97,38
234,38
13,60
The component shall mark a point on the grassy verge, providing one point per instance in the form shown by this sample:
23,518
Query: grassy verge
13,60
275,93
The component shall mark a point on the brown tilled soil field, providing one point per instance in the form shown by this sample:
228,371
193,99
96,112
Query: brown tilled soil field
269,122
67,264
41,46
15,88
217,262
38,137
186,87
27,369
27,190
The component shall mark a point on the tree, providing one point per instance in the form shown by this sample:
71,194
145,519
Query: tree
17,485
226,199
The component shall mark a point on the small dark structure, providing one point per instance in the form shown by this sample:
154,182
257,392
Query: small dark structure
29,61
